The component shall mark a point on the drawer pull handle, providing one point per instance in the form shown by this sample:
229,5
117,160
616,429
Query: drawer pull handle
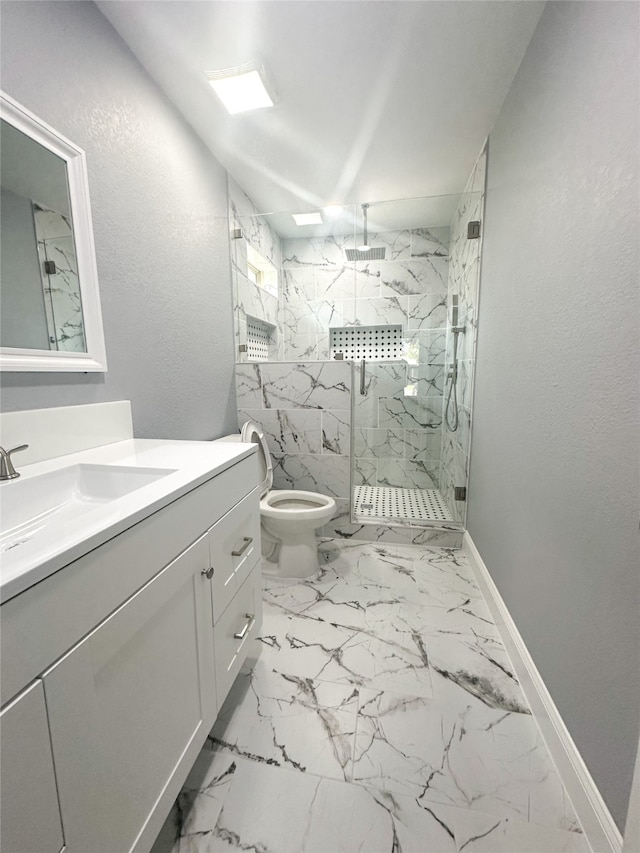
208,573
241,634
247,540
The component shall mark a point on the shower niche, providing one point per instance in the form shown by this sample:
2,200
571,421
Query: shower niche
381,326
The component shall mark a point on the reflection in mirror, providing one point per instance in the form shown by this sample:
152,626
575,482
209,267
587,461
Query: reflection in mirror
41,303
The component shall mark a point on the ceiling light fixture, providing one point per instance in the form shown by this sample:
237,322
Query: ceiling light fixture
365,247
242,88
307,218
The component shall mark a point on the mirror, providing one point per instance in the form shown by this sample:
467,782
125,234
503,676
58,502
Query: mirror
50,317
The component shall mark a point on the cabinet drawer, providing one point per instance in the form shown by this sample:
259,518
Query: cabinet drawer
235,631
234,546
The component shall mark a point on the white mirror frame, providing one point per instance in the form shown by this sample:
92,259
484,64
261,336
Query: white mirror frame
95,359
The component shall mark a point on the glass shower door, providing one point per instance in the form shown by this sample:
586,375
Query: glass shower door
396,440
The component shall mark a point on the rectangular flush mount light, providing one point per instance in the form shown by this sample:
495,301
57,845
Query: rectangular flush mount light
307,218
242,88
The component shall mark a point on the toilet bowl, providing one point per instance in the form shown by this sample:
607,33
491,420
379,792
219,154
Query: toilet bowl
289,517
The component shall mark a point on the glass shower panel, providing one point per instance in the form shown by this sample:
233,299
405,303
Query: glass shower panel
397,438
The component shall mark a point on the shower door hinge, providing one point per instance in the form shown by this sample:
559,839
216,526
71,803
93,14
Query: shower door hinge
243,348
237,234
473,230
460,493
50,267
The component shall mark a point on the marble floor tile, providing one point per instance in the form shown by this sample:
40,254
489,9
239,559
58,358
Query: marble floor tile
476,662
270,809
309,646
456,751
382,713
200,802
282,720
478,833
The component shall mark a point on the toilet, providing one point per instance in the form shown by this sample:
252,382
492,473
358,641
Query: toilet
289,517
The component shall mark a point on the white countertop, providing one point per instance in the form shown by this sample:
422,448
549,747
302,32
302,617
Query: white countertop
194,462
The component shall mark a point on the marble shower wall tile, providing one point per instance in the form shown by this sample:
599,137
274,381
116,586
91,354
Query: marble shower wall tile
312,317
431,345
316,273
324,473
304,409
336,432
377,443
337,282
244,214
298,285
287,430
410,412
422,445
255,301
404,473
411,276
430,242
365,472
385,311
314,252
301,348
248,298
428,311
292,385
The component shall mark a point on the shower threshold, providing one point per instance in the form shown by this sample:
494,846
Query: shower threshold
387,503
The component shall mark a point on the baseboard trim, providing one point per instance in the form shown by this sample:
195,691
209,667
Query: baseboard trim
599,827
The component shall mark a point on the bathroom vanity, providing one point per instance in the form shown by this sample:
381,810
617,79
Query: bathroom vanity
123,629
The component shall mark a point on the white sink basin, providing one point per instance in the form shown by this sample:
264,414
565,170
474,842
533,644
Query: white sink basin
36,505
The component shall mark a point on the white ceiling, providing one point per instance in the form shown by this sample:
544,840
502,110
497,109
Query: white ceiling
377,99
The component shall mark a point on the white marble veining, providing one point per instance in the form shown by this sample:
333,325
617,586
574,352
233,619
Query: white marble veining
287,430
324,473
362,727
283,385
430,242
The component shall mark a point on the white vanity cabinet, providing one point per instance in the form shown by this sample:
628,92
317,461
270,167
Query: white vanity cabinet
125,708
30,817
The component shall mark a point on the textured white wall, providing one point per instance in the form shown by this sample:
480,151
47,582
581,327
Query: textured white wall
159,212
554,465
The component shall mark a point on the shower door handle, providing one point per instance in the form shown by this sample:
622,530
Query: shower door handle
363,389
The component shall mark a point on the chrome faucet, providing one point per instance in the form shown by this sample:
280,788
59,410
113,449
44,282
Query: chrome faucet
7,471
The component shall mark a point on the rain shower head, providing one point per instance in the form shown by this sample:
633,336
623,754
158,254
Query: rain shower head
371,255
364,252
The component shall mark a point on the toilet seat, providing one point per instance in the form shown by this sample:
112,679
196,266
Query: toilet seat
252,433
295,504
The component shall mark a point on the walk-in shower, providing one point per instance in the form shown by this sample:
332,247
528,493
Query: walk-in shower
360,368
